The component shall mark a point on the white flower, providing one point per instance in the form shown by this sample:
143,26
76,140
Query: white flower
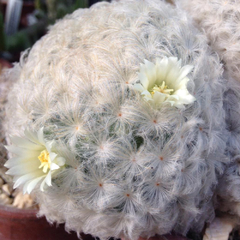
165,81
35,161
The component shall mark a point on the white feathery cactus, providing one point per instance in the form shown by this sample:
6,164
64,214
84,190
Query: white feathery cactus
220,20
131,169
229,185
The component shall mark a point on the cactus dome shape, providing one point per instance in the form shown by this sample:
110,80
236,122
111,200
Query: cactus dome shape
222,28
130,169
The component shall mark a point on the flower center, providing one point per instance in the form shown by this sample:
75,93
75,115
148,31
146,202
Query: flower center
163,89
45,160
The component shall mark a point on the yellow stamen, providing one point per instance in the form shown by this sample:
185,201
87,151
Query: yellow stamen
45,160
163,89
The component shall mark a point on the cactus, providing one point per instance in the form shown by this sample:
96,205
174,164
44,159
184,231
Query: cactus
222,28
119,149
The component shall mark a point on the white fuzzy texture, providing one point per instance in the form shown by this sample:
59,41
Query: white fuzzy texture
7,78
220,20
136,170
228,190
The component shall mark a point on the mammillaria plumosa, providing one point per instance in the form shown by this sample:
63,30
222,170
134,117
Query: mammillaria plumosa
220,20
222,30
129,97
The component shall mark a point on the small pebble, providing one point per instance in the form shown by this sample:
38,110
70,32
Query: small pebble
1,182
219,229
6,178
15,193
8,196
7,189
4,199
23,201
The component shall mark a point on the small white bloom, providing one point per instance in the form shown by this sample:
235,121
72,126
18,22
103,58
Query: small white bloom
165,81
35,161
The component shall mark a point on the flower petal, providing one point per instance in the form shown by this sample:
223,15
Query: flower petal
159,97
32,184
171,77
54,166
162,69
52,156
40,136
138,87
25,143
148,71
143,79
147,95
48,179
21,151
20,180
23,168
16,161
49,145
184,72
32,136
60,161
184,96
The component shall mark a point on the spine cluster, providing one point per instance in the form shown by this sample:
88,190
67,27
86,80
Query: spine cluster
220,20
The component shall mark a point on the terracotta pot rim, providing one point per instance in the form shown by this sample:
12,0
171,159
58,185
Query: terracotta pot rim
16,213
21,224
5,63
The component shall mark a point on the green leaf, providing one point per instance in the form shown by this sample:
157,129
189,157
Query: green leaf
2,35
80,4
